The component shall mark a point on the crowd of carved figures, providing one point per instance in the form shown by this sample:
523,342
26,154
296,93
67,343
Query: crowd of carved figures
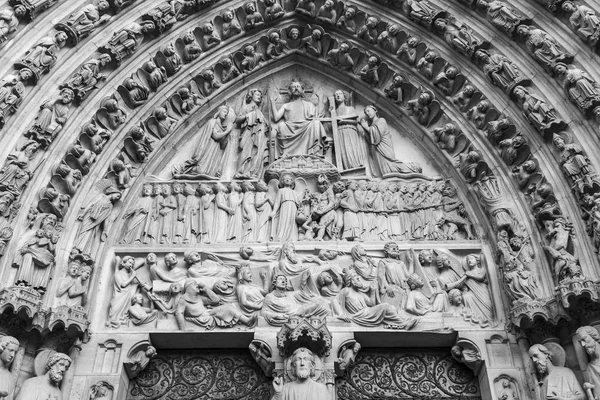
210,290
285,209
312,40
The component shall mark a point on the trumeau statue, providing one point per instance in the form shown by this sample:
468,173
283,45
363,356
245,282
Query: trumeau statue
556,382
303,387
8,350
47,386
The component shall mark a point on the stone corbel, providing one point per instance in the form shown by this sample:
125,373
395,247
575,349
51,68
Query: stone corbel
262,354
138,358
346,356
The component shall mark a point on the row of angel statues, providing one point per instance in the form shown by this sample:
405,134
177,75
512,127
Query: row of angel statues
210,290
286,209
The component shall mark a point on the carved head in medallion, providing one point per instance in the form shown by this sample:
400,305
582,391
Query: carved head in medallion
8,349
589,339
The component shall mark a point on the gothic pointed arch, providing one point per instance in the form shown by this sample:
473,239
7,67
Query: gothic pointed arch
204,174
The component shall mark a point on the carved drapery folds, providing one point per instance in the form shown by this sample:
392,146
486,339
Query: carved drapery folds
303,163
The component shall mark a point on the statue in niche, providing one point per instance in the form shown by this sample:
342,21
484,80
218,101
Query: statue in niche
229,71
8,350
11,93
9,21
209,38
140,142
294,41
253,19
72,289
501,15
231,25
273,10
14,175
138,362
209,83
462,38
421,11
555,382
169,59
135,93
251,58
581,88
395,89
408,50
35,259
312,44
303,387
51,118
94,217
43,55
85,79
361,305
83,22
544,48
518,263
589,339
463,98
340,57
575,163
156,75
138,314
368,32
479,112
382,161
276,46
501,71
250,296
566,265
47,386
191,51
388,39
369,73
191,308
426,63
125,286
253,143
297,128
584,21
127,40
306,8
421,107
208,158
326,13
347,21
446,80
110,115
282,303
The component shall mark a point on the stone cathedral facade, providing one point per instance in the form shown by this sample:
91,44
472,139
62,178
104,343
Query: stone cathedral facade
299,199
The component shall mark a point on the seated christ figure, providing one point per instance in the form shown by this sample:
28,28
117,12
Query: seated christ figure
297,127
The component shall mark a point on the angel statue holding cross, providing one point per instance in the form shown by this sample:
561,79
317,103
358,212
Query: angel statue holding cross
297,126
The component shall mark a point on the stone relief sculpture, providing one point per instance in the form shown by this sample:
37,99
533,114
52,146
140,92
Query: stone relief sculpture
8,350
253,143
51,118
303,387
42,56
584,21
139,360
589,339
47,385
580,87
501,15
296,128
82,23
544,48
556,382
214,138
72,290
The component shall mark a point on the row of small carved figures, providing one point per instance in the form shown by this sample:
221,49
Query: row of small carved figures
182,213
118,115
175,289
